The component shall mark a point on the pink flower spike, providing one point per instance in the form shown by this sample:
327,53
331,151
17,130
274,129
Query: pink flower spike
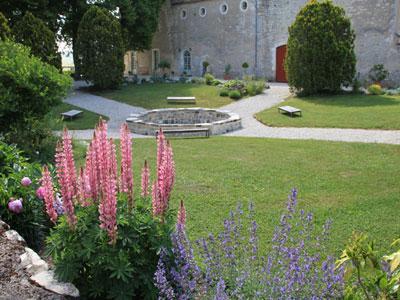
40,192
48,194
126,182
15,206
181,215
145,179
26,181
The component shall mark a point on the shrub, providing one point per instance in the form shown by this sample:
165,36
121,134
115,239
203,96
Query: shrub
31,222
245,65
5,31
369,276
164,64
28,90
216,82
254,87
234,85
232,265
209,78
378,73
375,89
235,94
33,32
106,243
224,93
320,61
100,47
393,92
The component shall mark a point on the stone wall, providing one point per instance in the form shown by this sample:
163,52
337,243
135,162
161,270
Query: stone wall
231,38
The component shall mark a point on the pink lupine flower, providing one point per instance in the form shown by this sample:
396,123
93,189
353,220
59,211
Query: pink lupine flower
145,179
83,189
91,171
26,181
126,183
181,215
15,206
108,204
65,166
40,193
48,194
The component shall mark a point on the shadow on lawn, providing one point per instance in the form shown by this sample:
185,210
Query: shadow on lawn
352,100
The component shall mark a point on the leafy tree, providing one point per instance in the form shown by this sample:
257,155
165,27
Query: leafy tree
28,90
33,32
5,31
49,11
100,48
320,54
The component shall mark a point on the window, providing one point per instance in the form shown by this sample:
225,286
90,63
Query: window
183,14
187,61
202,11
244,5
155,58
223,8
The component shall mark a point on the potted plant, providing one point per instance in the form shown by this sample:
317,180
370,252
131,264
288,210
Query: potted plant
205,67
227,72
378,73
245,66
164,64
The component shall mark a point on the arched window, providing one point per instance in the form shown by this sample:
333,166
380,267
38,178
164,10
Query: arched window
187,61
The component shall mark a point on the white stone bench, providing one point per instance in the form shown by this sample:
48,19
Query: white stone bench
290,110
181,99
187,132
71,114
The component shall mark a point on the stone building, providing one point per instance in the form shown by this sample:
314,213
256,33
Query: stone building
231,32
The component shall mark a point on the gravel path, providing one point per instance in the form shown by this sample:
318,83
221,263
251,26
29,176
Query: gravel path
247,108
252,128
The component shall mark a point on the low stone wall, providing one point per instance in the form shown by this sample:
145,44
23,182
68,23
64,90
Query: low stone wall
217,121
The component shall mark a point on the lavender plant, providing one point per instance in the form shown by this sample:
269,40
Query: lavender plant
232,265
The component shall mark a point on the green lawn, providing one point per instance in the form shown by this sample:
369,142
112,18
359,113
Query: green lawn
357,185
152,96
344,111
87,120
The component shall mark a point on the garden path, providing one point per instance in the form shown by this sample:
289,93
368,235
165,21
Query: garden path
248,107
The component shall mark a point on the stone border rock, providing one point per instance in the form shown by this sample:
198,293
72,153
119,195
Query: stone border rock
37,268
138,123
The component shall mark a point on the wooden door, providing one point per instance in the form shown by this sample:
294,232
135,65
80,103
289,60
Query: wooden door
280,64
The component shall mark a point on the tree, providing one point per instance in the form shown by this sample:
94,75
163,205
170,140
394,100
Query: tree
5,31
29,88
320,54
33,32
100,48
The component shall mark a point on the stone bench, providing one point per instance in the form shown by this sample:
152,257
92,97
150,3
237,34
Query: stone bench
71,114
290,110
181,99
189,132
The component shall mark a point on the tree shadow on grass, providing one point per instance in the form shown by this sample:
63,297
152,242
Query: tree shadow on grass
352,100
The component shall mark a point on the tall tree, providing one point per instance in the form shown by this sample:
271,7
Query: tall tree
5,31
100,48
321,55
34,33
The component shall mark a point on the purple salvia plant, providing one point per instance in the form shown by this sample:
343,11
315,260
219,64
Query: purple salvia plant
234,268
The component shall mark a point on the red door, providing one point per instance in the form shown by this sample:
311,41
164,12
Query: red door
280,64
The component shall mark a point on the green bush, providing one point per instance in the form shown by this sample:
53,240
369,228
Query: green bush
375,89
31,223
29,89
209,78
320,61
122,271
234,85
33,32
254,87
235,94
378,73
245,65
224,93
5,31
100,46
215,82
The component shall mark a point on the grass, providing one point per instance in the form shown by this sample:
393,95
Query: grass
87,120
357,185
343,111
153,96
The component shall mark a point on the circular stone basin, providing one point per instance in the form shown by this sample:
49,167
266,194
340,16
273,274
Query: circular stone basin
217,121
